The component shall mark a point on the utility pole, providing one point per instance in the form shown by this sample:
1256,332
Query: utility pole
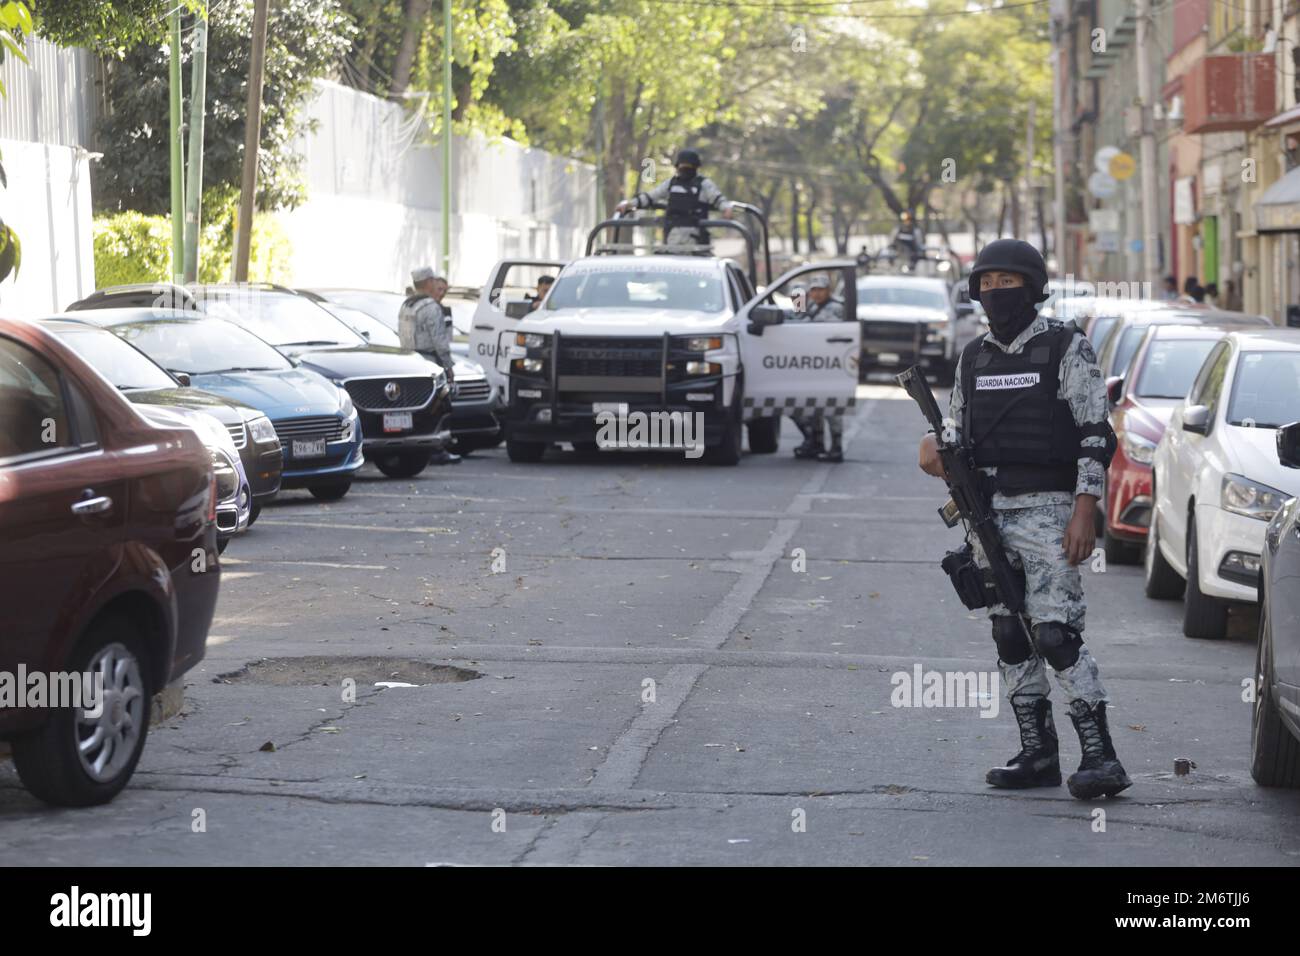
177,163
1147,157
194,183
252,139
1025,227
446,139
1058,155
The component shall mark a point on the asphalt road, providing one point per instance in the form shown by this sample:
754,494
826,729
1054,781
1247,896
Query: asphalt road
651,681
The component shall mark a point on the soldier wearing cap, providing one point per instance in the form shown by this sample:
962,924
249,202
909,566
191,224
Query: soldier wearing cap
424,326
687,199
821,307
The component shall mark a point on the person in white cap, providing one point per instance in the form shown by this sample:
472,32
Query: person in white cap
821,307
422,327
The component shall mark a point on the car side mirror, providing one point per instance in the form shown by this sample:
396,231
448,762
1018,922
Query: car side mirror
518,310
761,316
1114,389
1288,445
183,378
365,334
1196,419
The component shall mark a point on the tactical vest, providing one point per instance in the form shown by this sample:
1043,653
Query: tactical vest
684,205
1013,419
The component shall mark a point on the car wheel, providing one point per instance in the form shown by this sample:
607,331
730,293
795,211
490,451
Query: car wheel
405,464
1117,551
79,761
1161,581
329,490
728,449
1204,617
525,451
765,435
1274,752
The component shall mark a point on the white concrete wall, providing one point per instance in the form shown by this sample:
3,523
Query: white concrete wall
374,207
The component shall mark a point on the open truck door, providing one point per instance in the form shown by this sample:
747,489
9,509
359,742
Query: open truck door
502,304
793,364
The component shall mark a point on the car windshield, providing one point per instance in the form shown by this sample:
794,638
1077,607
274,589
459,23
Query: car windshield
1266,390
364,324
910,295
279,318
1130,339
114,359
1171,366
202,347
383,306
683,290
1100,328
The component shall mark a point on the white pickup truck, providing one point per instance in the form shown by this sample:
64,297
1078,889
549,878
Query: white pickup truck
627,333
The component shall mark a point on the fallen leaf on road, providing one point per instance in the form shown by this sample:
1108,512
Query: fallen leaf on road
1137,726
268,747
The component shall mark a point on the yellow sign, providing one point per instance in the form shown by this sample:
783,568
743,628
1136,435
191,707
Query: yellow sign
1122,165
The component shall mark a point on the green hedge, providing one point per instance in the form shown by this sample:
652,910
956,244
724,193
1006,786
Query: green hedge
132,247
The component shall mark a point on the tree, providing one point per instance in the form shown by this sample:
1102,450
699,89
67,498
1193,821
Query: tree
306,40
106,28
15,25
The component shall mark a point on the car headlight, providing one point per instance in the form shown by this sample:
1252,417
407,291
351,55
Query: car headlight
702,343
703,368
1250,498
345,403
1136,448
529,365
226,473
349,428
262,430
439,379
531,340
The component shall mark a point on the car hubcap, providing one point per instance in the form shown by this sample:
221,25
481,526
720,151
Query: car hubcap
106,742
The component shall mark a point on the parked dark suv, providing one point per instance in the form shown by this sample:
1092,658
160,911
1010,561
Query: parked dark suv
108,563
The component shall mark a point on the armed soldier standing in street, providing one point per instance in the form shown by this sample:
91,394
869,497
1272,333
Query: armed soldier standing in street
423,327
1030,404
822,307
687,200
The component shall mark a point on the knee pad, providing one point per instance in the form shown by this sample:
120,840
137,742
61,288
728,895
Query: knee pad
1058,644
1011,639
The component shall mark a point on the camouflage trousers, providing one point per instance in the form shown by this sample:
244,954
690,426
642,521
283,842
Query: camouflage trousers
810,423
1034,540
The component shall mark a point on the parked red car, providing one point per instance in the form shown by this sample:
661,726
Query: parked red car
108,563
1157,378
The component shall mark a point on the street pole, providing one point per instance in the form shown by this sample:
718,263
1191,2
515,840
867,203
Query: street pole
1147,158
177,164
194,183
1058,156
252,139
1028,204
446,139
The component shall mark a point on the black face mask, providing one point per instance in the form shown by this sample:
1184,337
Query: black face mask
1009,310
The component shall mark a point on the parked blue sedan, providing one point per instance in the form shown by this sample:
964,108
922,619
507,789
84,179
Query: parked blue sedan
318,427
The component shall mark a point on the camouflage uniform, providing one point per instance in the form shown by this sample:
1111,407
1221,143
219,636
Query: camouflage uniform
421,328
1033,528
710,195
810,422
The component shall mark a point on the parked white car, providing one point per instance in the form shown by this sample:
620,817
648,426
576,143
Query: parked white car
1217,478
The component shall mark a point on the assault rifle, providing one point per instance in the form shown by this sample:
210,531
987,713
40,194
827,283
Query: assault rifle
1001,583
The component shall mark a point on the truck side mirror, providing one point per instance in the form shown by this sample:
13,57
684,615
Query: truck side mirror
1288,445
183,378
518,310
762,316
1196,419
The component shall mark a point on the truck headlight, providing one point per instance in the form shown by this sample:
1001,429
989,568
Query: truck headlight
703,368
1137,448
532,365
936,331
531,340
702,343
1250,498
262,430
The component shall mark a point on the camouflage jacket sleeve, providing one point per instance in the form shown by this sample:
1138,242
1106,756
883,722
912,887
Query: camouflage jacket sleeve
712,196
657,195
956,401
441,332
1085,391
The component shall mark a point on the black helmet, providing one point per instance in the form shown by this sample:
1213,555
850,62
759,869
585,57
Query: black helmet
1011,255
688,157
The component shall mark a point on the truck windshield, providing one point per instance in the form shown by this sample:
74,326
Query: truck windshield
683,290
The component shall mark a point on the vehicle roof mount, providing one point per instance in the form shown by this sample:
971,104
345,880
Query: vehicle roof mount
692,249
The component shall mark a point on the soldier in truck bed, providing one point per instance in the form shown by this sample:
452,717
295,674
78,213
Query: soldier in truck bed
1030,403
687,199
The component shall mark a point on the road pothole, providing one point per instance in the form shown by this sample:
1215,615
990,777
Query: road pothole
303,671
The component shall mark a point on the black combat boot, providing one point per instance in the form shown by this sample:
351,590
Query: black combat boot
835,454
1100,772
1037,764
811,447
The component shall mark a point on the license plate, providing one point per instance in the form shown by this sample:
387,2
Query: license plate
309,449
617,408
889,358
397,421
